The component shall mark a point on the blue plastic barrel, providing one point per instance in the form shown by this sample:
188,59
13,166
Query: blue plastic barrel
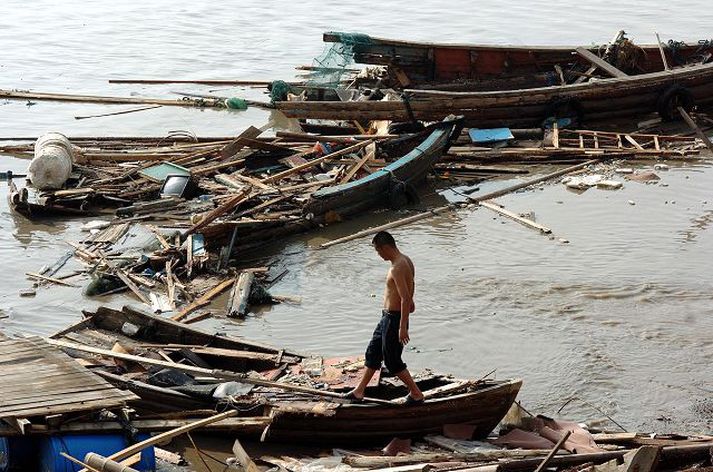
17,453
78,445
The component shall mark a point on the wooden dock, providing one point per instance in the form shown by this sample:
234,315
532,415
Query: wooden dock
39,380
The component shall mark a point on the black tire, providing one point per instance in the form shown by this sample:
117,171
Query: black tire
673,97
562,107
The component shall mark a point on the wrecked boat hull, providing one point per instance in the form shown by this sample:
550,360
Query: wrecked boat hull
378,188
363,423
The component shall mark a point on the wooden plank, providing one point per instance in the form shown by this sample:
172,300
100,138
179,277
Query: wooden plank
370,153
599,62
240,142
514,216
634,142
128,282
203,300
229,205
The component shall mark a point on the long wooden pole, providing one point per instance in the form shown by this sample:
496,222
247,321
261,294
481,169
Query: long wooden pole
256,83
453,206
663,54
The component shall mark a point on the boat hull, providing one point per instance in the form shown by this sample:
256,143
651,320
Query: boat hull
362,423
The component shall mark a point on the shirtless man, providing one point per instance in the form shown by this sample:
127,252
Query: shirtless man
391,334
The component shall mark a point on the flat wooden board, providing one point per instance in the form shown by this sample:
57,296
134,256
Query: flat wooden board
39,379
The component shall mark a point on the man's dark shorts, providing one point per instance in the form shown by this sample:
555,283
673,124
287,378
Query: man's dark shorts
385,345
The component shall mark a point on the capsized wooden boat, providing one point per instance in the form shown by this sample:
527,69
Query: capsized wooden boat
521,86
288,415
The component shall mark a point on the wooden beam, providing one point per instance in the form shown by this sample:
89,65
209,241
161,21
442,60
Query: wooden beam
599,62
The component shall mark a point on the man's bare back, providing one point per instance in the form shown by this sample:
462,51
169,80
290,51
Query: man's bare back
401,270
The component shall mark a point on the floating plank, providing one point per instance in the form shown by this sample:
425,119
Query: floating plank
529,223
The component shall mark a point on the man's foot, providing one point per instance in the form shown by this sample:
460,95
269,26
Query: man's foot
352,396
410,401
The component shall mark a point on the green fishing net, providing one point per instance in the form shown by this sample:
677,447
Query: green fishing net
330,66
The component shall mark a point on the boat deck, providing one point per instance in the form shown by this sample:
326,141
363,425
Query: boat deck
39,379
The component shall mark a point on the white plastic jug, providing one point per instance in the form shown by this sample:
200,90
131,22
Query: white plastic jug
52,164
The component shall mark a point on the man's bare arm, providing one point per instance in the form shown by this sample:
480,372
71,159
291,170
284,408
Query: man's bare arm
401,279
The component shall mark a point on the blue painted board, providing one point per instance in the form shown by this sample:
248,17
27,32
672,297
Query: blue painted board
485,136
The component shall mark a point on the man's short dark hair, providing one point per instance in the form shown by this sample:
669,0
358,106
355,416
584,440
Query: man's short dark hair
382,238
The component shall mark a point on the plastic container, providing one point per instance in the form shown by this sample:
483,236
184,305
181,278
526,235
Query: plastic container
78,445
52,164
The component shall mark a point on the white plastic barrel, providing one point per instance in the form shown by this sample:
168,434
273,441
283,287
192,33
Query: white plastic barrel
52,164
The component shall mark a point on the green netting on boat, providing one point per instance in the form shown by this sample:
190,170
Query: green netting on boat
330,66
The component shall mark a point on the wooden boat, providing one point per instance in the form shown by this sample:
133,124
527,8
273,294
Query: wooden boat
397,177
288,415
521,86
409,159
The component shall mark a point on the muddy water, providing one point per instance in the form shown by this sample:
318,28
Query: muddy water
620,316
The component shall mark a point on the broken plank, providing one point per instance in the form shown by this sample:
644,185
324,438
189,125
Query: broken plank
127,281
238,301
203,300
600,63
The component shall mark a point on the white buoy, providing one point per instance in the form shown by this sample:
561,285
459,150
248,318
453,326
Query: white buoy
52,164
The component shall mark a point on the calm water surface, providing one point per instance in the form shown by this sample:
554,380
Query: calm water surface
620,317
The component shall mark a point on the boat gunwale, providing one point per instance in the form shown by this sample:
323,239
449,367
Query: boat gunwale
378,41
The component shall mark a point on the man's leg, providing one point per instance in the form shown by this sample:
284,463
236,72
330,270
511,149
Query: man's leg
413,389
365,379
372,362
